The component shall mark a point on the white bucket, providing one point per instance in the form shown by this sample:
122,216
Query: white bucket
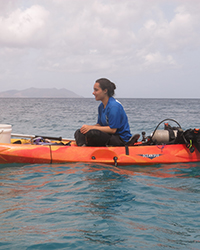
5,133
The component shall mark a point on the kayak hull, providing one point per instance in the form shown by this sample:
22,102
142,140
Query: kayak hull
133,155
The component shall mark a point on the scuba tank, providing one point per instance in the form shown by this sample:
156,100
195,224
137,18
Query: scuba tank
164,136
168,135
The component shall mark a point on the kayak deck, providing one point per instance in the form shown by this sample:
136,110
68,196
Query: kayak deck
132,155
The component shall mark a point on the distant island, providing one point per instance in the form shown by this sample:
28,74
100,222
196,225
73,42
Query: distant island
39,93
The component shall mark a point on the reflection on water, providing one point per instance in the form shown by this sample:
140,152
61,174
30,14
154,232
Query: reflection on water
83,206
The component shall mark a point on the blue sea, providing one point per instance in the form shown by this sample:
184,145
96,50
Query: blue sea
86,206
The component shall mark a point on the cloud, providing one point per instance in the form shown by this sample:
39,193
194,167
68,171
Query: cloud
183,29
96,30
114,33
64,38
23,28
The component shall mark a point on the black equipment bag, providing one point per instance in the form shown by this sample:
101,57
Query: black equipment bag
192,137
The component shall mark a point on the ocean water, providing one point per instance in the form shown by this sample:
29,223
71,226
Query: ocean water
85,206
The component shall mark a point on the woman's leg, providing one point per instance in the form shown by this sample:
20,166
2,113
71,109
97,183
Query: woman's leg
116,140
95,137
80,138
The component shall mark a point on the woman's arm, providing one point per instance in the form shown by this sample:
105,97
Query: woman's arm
85,128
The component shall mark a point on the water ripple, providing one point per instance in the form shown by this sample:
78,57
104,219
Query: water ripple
80,206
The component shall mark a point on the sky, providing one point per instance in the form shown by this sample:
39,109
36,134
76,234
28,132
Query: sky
148,48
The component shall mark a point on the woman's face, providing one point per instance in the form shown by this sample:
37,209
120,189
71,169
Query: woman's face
99,93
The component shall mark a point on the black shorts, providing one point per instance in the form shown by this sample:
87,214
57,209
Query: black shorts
95,137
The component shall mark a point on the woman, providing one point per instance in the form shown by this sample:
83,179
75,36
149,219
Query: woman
112,127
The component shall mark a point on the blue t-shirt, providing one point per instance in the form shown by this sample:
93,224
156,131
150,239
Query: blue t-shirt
114,116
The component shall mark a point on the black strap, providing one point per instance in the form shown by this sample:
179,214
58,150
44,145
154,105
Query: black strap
51,159
126,150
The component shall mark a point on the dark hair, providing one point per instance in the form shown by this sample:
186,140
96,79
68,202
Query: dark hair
107,84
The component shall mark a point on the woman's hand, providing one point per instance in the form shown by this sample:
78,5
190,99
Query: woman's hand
85,128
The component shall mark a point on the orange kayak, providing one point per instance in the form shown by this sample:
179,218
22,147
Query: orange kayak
132,155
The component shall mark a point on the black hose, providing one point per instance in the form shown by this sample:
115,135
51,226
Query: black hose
168,119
